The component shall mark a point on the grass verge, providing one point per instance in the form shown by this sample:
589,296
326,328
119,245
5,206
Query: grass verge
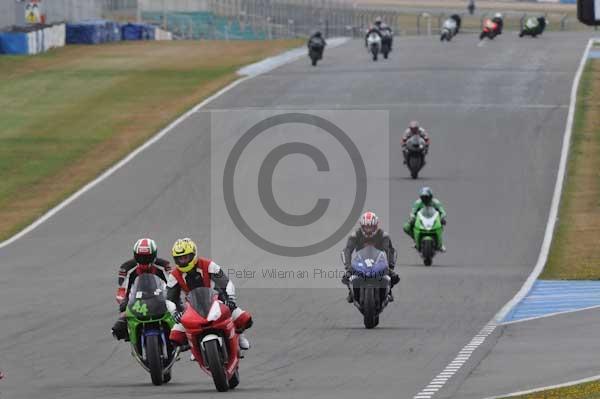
575,251
589,390
67,115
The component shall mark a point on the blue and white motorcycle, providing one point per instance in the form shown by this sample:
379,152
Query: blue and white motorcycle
370,283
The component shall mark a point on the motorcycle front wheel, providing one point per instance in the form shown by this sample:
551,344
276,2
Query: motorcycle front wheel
427,250
215,364
154,359
371,318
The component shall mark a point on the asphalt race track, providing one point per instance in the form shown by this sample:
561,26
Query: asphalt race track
496,114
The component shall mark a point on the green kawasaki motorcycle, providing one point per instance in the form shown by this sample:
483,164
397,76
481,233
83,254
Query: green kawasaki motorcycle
427,233
149,323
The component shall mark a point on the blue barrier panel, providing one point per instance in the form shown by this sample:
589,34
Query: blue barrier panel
138,32
14,43
93,32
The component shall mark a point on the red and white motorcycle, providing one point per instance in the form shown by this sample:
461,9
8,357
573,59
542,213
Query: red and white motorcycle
212,337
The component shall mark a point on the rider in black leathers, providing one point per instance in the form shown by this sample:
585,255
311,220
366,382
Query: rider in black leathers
369,233
313,41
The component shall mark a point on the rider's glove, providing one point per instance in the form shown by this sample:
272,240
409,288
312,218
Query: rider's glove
177,315
122,306
443,221
230,304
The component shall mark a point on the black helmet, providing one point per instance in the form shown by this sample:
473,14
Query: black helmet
317,34
426,195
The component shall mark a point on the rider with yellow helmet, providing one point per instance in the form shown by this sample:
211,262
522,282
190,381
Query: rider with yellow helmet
192,272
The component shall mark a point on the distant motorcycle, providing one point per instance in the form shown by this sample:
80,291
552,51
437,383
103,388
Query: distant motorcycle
499,21
386,42
490,30
449,29
149,323
427,233
458,21
370,283
374,44
533,27
316,47
415,158
212,337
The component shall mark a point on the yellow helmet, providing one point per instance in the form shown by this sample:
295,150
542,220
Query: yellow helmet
184,254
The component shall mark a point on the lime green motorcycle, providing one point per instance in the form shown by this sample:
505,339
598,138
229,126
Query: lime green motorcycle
149,323
427,233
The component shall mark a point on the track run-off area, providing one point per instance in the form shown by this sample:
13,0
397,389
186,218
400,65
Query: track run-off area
496,114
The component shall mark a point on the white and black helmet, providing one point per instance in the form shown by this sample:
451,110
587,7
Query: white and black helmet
369,223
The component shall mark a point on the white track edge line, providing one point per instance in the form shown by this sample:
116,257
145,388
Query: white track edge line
553,215
141,148
491,326
540,389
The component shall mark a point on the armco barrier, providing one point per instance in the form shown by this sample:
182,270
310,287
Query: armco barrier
32,39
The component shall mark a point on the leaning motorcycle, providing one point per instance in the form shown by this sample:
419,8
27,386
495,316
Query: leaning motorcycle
533,27
449,29
374,44
149,323
427,233
490,30
212,337
386,43
315,51
415,155
370,283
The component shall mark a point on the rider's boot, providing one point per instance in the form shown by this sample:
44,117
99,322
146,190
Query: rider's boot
243,342
119,329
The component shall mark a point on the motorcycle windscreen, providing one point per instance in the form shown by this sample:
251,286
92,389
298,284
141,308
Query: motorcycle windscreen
201,300
316,43
428,212
369,260
415,143
147,298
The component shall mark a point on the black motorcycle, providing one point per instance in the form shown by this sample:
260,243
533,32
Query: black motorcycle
370,283
386,42
315,50
416,150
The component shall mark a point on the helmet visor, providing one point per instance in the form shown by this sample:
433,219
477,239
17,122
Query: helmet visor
183,260
144,259
369,230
